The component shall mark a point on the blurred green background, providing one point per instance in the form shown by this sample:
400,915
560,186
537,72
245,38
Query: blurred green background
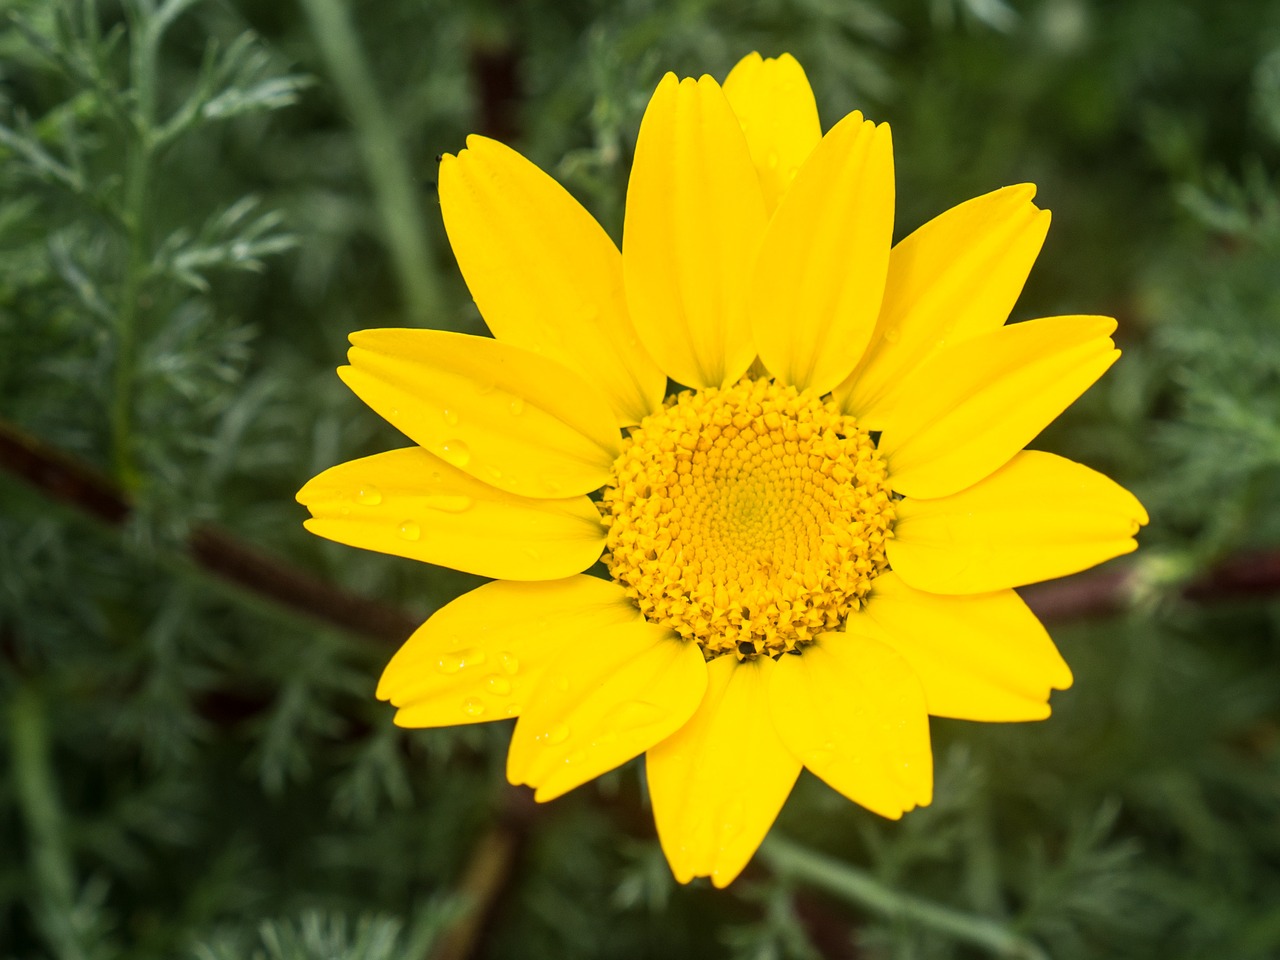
199,200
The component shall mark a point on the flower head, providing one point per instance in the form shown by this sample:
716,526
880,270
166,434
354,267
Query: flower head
811,544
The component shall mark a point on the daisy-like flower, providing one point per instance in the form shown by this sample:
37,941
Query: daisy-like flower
809,544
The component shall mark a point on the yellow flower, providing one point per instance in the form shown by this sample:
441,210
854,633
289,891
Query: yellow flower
811,547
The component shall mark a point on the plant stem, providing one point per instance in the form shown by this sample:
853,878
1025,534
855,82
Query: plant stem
145,41
42,816
395,194
794,861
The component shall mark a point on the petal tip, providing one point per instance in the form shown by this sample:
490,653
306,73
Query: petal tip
547,794
722,878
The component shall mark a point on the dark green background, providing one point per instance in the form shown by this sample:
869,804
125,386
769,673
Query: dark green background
194,770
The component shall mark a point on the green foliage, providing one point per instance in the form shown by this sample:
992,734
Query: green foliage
199,200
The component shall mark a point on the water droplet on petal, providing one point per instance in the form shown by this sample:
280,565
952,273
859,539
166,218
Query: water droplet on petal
636,713
500,685
557,734
455,660
448,504
516,406
455,452
509,663
369,495
495,473
893,335
576,757
451,417
513,709
485,387
473,707
409,530
731,825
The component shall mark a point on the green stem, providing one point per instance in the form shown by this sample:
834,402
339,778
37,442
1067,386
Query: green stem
395,194
41,812
137,171
146,32
791,860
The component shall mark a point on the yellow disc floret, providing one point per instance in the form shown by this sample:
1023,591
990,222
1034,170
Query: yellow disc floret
749,518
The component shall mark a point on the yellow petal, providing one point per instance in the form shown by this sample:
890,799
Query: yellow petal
852,711
957,276
610,695
775,105
980,657
412,504
718,782
821,272
506,416
480,657
972,406
695,215
1040,516
544,274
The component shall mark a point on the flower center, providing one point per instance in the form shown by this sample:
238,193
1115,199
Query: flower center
749,518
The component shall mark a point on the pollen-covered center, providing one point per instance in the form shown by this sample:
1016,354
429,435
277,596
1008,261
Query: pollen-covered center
749,518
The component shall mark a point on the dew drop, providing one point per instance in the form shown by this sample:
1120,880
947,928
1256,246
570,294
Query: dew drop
509,663
345,511
495,473
556,735
893,335
824,755
516,406
448,504
409,530
455,452
636,713
513,709
451,417
473,707
772,160
369,495
576,757
456,660
486,387
731,826
499,685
